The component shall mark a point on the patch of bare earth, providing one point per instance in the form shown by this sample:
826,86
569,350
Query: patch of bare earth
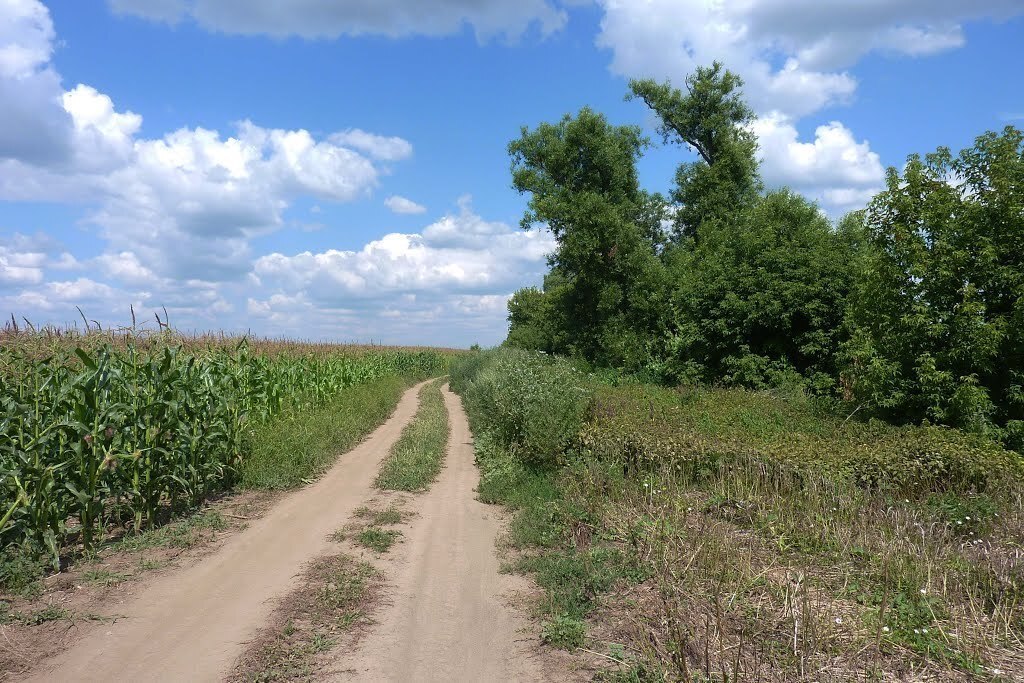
45,621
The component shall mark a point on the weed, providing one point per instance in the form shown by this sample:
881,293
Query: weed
564,632
377,539
103,576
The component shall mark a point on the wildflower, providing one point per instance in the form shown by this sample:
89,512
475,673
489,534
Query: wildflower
839,620
885,629
959,523
968,518
924,591
917,631
87,439
109,433
924,630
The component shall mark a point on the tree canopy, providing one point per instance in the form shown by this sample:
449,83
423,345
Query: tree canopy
913,308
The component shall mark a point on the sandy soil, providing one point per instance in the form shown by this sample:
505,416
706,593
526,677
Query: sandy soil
449,617
191,625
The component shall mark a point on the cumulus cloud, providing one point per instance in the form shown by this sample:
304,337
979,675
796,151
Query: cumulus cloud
330,19
33,125
792,53
452,278
25,259
834,169
402,205
185,204
460,253
376,146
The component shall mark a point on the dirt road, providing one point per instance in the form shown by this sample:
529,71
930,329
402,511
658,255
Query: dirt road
448,619
192,624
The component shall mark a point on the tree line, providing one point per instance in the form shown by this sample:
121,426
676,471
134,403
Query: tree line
912,309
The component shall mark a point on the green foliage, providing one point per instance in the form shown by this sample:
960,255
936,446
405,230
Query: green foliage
564,632
705,433
913,308
937,313
416,458
297,445
760,300
581,177
127,435
532,404
713,119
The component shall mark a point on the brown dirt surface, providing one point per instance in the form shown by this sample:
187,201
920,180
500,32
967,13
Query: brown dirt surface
192,624
92,591
450,615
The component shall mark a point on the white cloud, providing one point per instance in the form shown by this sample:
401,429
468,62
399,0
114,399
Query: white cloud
33,125
330,18
451,279
377,146
402,205
458,254
792,53
833,169
185,204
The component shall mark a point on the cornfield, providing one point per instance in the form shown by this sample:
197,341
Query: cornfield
123,432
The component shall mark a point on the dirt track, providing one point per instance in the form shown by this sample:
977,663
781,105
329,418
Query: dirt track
191,624
447,617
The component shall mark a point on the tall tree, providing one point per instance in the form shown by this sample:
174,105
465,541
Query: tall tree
761,298
937,315
581,177
713,119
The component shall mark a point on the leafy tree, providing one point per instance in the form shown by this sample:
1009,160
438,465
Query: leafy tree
530,321
937,315
581,177
713,119
761,297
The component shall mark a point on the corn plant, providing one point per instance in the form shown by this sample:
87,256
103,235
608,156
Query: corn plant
129,433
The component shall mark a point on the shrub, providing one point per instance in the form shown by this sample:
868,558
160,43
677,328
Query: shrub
532,404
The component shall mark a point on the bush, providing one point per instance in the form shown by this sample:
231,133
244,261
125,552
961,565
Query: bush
530,403
705,432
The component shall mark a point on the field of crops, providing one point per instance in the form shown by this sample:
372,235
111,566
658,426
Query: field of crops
123,430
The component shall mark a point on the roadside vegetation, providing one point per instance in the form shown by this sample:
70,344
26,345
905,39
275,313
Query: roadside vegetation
727,534
336,596
113,433
418,455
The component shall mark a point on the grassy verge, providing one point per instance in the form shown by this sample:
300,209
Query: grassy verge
736,535
417,456
297,446
336,594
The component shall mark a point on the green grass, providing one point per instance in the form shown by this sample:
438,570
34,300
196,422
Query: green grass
296,447
183,533
417,456
392,515
377,539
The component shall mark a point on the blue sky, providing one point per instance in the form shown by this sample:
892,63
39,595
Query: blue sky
337,170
